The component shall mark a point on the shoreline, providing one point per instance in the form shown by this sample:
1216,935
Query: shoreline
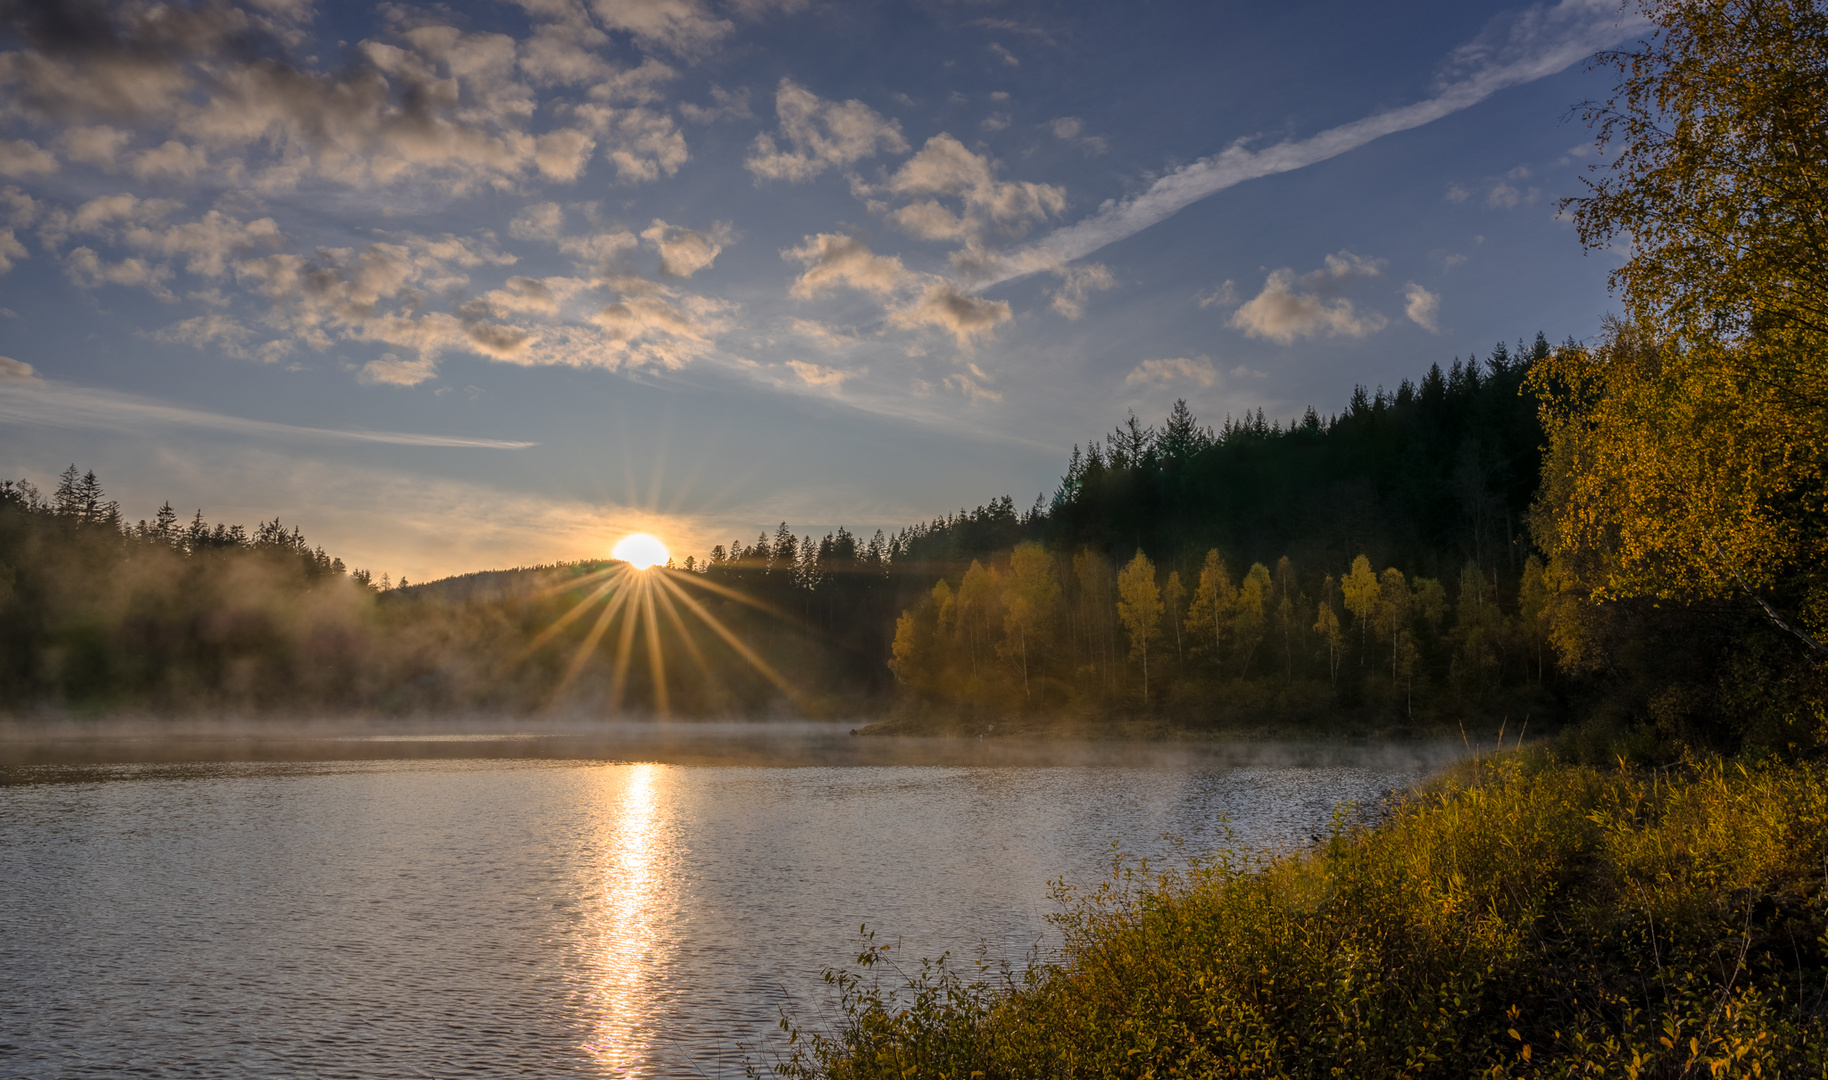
144,740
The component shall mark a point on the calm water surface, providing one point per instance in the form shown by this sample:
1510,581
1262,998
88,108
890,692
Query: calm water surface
543,917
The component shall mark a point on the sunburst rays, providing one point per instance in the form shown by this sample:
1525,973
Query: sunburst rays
633,602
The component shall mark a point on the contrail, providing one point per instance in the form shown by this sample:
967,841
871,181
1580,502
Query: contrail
53,405
1537,43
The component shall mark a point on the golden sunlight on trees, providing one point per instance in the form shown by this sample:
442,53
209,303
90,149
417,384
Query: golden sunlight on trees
1030,598
1360,589
1209,616
1688,446
1326,625
1140,607
1718,141
1082,633
1174,608
1247,620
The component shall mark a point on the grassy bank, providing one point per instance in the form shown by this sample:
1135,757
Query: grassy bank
1522,918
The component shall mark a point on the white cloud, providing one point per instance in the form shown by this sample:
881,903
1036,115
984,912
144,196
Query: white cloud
21,209
90,271
682,251
726,105
561,55
601,250
972,389
1197,370
95,145
946,168
654,329
824,337
17,371
1004,55
539,221
686,27
172,158
1503,196
1224,294
1289,308
1071,129
1422,307
641,143
207,243
10,249
820,135
22,157
563,154
522,297
1080,282
825,378
391,370
834,259
944,305
379,295
229,336
928,220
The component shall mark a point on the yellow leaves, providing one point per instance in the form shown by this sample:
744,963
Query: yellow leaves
1678,468
1360,589
1139,604
1208,621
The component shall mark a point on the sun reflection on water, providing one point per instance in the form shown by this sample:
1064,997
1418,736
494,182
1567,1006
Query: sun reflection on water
624,933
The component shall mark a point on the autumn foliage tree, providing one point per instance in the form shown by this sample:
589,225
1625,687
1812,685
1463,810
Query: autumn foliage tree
1689,445
1139,605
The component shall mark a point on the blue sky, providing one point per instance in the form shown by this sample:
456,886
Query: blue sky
461,286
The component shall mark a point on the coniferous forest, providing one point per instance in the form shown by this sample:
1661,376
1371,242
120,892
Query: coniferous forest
1371,569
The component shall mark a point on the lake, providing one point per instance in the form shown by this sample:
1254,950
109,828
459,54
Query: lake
632,900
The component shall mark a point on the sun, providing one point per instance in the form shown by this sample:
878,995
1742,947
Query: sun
640,550
642,590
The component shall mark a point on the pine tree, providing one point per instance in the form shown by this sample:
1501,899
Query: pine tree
165,524
1181,436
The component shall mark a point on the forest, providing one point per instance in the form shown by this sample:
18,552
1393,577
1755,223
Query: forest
1374,562
167,614
1371,569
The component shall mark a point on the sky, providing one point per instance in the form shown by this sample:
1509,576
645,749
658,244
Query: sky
461,286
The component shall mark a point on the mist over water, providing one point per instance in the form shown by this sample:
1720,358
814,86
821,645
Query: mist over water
486,901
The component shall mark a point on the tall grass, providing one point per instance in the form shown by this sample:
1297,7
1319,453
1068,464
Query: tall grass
1522,918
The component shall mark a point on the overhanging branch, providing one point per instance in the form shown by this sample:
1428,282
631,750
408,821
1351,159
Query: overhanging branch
1770,612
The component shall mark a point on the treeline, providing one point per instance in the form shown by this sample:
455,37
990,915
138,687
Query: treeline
169,614
1376,559
97,613
94,609
1440,471
1042,632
